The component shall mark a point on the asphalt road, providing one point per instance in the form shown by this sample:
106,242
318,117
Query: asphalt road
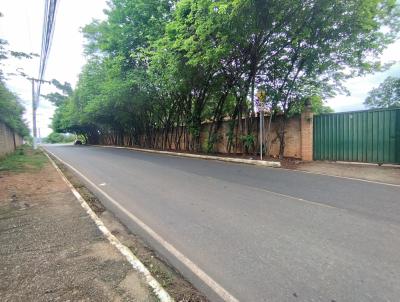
263,234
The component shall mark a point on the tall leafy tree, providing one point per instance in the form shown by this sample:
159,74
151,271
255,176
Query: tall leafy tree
11,109
158,69
387,95
59,97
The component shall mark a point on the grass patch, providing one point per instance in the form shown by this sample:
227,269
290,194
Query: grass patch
23,159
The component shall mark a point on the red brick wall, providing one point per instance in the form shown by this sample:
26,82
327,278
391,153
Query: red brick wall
307,136
298,136
293,137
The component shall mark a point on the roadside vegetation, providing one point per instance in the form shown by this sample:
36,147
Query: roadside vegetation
59,138
24,159
158,69
387,95
11,109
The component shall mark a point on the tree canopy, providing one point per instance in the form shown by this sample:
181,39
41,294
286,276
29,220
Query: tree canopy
57,138
387,95
11,109
158,69
58,98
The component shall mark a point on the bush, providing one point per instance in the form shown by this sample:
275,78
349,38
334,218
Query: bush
58,138
248,142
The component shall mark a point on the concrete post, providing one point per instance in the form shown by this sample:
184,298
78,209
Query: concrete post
307,133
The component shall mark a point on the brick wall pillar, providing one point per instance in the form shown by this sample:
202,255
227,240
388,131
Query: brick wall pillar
307,134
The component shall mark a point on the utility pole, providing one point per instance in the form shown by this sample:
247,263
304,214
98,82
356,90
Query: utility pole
35,104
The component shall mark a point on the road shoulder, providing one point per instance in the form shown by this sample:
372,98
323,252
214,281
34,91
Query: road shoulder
164,274
50,248
365,172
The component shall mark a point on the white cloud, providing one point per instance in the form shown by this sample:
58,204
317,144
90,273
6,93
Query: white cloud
359,87
21,26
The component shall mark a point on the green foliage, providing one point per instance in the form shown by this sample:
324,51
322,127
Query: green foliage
249,141
23,159
211,142
58,98
387,95
316,103
57,138
11,111
158,65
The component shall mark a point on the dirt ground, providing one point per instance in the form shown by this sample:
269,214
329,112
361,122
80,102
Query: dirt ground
50,249
386,174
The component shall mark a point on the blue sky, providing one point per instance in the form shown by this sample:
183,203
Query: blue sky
22,27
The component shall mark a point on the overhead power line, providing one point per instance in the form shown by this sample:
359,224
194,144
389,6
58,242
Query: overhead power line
47,37
49,17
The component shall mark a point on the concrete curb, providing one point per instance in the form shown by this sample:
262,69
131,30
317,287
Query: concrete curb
197,271
137,265
263,163
250,162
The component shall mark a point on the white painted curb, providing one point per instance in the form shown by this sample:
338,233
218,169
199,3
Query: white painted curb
273,164
158,290
211,283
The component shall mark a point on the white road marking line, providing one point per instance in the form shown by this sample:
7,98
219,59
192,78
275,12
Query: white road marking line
214,179
300,199
158,290
217,288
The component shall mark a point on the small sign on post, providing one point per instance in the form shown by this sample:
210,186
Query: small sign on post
261,100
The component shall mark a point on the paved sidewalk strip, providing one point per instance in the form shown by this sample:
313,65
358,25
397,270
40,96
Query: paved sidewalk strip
50,249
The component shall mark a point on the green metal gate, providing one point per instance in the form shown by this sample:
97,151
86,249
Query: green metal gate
364,136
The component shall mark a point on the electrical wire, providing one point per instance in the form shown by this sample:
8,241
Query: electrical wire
47,37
